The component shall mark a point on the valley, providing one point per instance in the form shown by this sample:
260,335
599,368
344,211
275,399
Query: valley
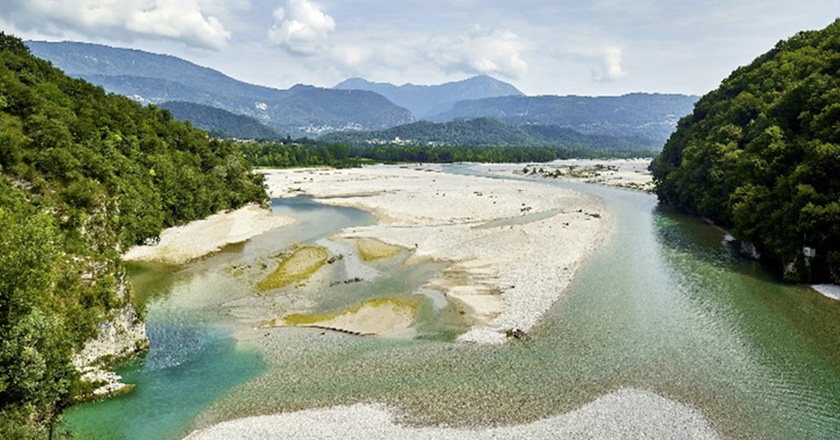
315,219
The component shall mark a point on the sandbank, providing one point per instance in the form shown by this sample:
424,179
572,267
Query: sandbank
181,244
828,290
370,249
507,266
374,317
621,414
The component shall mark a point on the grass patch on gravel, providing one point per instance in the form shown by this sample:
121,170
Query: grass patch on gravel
297,267
374,316
370,249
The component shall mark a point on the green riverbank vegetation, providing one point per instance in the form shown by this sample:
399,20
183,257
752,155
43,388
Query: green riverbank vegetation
761,155
85,175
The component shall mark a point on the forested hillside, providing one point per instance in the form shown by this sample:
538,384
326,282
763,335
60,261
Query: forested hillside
218,122
488,132
84,175
761,154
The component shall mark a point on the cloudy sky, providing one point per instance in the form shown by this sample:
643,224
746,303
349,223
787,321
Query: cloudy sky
597,47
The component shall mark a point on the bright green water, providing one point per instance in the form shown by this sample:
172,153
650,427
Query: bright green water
664,305
188,367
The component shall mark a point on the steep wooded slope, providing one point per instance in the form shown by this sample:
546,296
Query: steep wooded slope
83,175
761,154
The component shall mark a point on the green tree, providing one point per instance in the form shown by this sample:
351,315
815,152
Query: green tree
761,154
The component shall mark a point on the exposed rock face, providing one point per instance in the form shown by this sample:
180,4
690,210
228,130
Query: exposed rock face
120,336
748,249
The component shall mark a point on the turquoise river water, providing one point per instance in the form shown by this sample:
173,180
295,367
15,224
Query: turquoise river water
664,305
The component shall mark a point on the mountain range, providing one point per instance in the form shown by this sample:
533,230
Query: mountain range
154,78
425,101
355,104
649,116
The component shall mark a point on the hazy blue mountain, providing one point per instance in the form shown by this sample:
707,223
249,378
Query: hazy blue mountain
430,100
154,90
87,60
219,122
156,78
487,132
641,115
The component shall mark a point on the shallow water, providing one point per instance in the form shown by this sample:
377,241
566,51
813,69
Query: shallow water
664,305
189,367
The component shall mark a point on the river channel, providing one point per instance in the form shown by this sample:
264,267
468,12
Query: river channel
665,305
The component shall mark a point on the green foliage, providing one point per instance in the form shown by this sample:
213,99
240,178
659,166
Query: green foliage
35,372
84,175
28,252
761,154
451,154
302,153
486,132
12,43
306,152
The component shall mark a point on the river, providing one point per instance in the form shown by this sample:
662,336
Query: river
664,305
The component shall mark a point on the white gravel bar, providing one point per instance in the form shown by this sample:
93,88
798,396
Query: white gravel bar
622,414
514,246
622,173
181,244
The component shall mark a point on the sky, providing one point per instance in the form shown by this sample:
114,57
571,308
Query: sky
543,47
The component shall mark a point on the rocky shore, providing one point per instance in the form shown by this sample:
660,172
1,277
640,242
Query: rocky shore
121,336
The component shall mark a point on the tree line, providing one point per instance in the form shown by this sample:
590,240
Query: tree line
306,152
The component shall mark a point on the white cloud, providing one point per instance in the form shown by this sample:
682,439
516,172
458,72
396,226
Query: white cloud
176,20
352,56
481,51
610,69
301,27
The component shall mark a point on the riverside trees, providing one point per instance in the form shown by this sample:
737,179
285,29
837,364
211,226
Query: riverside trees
761,154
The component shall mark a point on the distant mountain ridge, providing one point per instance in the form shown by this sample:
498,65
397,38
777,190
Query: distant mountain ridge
428,100
156,78
357,104
647,115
